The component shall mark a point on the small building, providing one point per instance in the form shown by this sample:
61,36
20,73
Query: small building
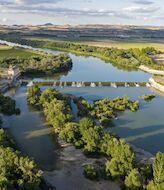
13,73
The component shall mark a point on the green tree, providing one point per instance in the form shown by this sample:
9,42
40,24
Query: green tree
90,172
85,124
16,172
155,186
158,168
108,144
48,95
123,158
33,95
158,172
114,168
70,133
4,139
91,138
57,113
8,105
134,180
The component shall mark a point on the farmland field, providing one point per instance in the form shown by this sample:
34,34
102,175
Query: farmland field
116,43
6,51
5,47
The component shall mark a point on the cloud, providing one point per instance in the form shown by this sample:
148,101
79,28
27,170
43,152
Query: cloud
35,1
6,2
143,10
50,9
143,2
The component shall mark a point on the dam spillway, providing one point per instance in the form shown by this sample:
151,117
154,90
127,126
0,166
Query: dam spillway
78,84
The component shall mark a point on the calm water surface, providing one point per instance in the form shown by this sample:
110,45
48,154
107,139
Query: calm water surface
94,69
30,132
144,128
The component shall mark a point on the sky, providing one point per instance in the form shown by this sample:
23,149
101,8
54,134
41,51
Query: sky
74,12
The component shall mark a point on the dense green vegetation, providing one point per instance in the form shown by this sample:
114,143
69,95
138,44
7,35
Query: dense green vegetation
130,58
134,180
120,159
17,172
33,95
147,97
14,52
158,173
104,110
8,106
56,107
35,63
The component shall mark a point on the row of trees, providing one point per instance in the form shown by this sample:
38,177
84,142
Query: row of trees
127,59
94,141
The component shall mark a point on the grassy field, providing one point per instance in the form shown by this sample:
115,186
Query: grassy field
5,47
128,45
9,52
117,43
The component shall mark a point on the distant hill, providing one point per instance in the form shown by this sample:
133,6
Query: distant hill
85,31
48,24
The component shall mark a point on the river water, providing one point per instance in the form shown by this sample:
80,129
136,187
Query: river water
94,69
145,128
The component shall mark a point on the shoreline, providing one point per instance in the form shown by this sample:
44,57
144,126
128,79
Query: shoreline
151,71
70,174
143,155
156,85
71,171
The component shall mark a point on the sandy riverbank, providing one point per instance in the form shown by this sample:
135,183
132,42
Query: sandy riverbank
151,71
70,174
156,85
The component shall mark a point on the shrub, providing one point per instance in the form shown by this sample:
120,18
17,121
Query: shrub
90,172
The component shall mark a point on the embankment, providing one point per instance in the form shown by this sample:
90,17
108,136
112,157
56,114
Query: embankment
156,85
152,71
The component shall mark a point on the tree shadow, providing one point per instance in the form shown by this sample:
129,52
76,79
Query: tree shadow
152,143
129,132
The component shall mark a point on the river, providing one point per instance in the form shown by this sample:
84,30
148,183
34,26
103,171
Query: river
145,128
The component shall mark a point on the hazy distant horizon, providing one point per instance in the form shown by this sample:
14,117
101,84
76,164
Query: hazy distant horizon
76,25
82,12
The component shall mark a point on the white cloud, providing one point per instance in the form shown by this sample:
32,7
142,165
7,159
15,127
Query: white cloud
137,9
35,1
50,9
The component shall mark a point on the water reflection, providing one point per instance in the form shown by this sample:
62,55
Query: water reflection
33,137
144,128
94,69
